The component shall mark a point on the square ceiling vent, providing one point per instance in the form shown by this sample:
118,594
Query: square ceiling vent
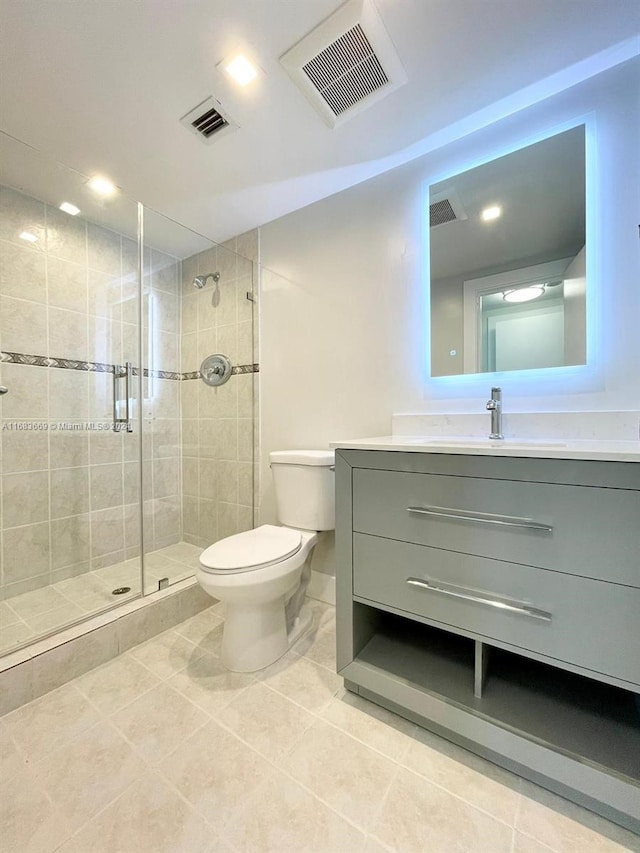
346,64
209,121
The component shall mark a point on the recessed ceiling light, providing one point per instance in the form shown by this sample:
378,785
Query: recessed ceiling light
69,208
240,69
523,294
29,237
103,186
489,213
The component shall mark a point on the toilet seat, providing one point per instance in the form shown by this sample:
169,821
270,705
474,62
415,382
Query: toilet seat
254,549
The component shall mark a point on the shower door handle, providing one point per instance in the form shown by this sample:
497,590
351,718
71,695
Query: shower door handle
3,390
127,392
120,372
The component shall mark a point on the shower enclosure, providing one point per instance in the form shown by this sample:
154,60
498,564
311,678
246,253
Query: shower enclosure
118,463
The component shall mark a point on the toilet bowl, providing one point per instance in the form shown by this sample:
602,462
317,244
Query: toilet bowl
261,575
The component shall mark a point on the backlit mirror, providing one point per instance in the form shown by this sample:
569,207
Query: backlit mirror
508,261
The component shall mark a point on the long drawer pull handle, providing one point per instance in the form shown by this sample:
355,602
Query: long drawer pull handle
481,517
507,604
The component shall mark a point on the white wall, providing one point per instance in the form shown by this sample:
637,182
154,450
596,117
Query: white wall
344,341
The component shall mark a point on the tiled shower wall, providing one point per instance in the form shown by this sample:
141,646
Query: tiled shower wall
218,427
70,495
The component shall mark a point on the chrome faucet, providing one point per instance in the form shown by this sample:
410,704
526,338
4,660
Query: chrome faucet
494,405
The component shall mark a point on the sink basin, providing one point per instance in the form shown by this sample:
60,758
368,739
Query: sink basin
490,442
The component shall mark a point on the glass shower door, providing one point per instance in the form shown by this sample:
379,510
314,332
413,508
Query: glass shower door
70,438
198,439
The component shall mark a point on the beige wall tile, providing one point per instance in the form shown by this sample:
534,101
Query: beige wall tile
20,213
165,272
16,687
70,541
103,250
166,477
208,478
69,492
206,345
24,450
75,657
23,326
228,481
227,519
107,531
105,295
25,498
25,552
66,285
227,438
68,334
106,483
208,521
22,272
66,236
69,394
69,447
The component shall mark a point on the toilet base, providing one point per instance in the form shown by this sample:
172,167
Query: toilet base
255,637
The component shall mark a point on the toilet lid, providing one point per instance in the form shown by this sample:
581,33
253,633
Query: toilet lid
253,549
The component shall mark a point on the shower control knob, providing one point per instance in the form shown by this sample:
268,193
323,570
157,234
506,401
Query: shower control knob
215,369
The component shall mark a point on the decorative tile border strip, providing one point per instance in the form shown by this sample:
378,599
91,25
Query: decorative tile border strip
101,367
239,368
62,363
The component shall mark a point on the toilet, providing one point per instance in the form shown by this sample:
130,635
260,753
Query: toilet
262,575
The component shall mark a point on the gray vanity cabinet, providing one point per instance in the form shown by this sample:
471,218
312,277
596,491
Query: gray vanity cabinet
496,600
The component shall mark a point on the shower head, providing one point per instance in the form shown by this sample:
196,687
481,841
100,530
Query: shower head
200,280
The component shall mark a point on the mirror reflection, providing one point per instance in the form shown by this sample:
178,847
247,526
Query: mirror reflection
507,261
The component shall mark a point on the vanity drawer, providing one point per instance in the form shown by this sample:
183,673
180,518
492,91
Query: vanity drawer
558,615
586,531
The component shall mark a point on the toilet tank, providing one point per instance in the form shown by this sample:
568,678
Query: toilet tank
305,488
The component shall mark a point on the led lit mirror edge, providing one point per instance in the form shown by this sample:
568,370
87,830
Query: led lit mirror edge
578,378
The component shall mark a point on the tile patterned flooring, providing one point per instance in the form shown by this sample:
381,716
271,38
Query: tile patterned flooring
162,750
50,608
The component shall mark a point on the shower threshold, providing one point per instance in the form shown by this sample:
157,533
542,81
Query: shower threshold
34,615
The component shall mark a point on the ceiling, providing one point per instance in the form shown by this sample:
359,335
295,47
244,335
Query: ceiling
101,86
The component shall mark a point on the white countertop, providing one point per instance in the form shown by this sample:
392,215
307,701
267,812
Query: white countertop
615,451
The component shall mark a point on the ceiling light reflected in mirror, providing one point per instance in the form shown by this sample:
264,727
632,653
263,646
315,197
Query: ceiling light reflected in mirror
102,186
69,208
491,213
524,294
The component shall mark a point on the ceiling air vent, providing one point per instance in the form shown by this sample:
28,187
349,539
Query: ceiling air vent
207,120
445,207
346,64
